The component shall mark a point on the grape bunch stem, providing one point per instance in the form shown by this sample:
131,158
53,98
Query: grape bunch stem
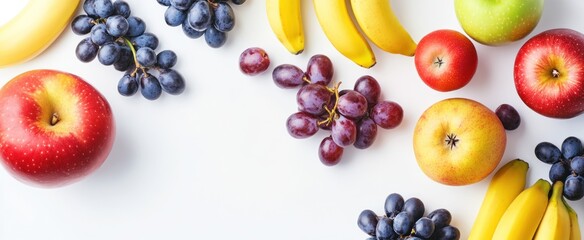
332,113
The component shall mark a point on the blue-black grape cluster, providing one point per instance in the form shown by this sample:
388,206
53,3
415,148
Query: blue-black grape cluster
119,39
406,220
212,18
567,165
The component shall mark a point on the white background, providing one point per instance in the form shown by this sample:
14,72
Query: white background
217,162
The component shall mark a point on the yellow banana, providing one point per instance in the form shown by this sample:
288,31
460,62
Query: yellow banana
555,224
335,21
285,20
507,183
574,224
382,27
522,217
34,29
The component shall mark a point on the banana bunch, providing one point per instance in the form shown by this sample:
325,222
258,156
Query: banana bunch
374,17
34,29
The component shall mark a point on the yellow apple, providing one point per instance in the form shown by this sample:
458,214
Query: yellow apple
458,141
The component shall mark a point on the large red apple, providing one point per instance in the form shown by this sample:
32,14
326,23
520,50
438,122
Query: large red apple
549,73
55,128
446,60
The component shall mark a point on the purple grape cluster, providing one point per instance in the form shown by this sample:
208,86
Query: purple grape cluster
351,115
406,220
567,165
119,39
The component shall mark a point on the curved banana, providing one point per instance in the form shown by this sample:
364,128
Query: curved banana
382,27
555,223
285,20
575,233
506,184
335,21
34,29
522,217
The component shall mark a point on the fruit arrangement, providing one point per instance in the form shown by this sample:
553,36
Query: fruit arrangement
212,18
567,165
406,220
119,39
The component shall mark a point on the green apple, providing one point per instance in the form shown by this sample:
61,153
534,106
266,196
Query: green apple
496,22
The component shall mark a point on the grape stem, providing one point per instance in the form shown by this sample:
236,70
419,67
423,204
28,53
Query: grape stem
138,66
332,113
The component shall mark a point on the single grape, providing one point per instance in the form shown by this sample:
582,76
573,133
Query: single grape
200,15
136,26
164,2
329,152
312,98
548,152
100,36
190,31
403,223
181,4
415,207
367,221
288,76
146,40
166,59
150,87
214,37
82,24
108,54
413,238
116,26
441,217
122,8
172,82
86,50
369,88
387,114
344,131
559,171
574,187
104,8
174,17
384,229
508,116
394,203
577,165
352,104
89,9
446,233
224,18
253,61
366,133
128,85
320,69
424,227
571,147
302,125
237,2
126,59
146,56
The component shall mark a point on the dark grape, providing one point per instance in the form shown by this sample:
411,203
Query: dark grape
224,18
86,50
577,165
104,8
394,204
136,26
352,104
128,85
384,229
312,98
214,37
146,40
441,217
190,31
320,69
174,17
403,223
571,147
387,114
200,16
508,116
150,87
100,36
116,26
369,88
82,24
559,171
164,2
89,8
108,54
166,59
366,133
172,82
238,2
122,8
415,207
146,57
253,61
446,233
547,152
574,187
424,227
367,222
344,131
302,125
181,4
329,152
126,59
288,76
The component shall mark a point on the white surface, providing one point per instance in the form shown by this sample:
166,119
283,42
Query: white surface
217,162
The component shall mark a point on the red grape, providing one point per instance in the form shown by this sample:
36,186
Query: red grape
509,116
366,133
288,76
387,114
369,88
312,98
344,131
320,69
253,61
352,104
302,125
329,152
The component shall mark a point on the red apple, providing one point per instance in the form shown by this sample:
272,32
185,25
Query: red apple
446,60
55,128
549,73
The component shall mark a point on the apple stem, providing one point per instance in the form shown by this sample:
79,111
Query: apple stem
555,73
331,112
55,119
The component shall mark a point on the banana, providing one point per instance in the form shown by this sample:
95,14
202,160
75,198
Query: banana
382,27
524,214
335,21
285,20
574,224
507,183
31,31
555,223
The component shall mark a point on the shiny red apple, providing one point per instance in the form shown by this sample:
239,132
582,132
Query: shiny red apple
549,73
55,128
